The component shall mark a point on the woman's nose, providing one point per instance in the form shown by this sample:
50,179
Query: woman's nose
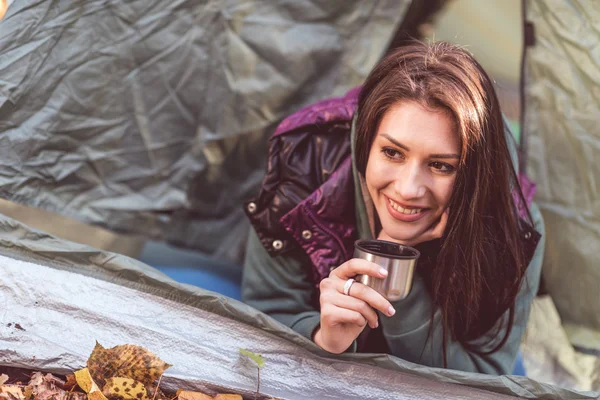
410,183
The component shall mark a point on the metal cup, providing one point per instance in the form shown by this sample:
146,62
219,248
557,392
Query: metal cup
399,260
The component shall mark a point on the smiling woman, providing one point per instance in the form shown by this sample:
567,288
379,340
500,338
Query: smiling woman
418,156
411,171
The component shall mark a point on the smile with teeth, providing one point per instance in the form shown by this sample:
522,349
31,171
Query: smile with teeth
399,208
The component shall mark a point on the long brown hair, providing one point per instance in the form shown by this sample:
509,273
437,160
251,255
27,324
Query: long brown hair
479,268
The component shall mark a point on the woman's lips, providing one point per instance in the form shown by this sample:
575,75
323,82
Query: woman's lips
404,217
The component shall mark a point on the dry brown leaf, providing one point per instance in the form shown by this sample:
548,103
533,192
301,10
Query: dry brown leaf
187,395
155,393
28,392
127,361
11,392
48,387
3,379
124,389
36,380
71,382
54,380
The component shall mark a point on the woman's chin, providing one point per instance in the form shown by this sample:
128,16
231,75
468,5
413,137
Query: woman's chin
405,238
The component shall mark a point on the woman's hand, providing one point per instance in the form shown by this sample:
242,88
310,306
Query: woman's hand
343,317
435,231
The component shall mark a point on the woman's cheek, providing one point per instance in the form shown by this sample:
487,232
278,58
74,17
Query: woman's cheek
381,174
448,191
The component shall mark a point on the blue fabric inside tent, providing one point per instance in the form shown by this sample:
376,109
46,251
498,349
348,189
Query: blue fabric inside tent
195,269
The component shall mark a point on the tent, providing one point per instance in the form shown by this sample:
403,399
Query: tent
145,118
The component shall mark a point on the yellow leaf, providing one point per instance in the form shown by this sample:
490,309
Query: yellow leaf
96,363
97,395
124,389
126,361
85,381
185,395
3,379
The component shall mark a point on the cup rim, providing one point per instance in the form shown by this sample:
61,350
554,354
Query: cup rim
358,245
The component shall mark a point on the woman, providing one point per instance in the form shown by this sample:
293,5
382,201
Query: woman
421,158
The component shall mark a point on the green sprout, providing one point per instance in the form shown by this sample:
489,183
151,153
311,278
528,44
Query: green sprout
259,361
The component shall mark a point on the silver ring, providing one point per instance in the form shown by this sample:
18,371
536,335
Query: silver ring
347,286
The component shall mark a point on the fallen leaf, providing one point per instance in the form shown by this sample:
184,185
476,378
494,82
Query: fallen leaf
48,387
53,380
85,381
3,379
96,396
28,392
96,363
12,392
71,382
187,395
155,393
126,361
124,389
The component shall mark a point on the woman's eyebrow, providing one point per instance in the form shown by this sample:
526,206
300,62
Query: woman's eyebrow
445,156
394,141
397,143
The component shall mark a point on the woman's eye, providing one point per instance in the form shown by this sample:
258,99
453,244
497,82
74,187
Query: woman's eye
442,167
392,154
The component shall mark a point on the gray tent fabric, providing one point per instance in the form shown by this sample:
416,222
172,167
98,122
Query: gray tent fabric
146,116
562,84
65,296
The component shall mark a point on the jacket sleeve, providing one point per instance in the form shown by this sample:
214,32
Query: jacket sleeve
407,332
280,287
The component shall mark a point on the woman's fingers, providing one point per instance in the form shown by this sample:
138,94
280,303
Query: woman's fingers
332,315
358,266
439,229
371,297
436,230
350,269
354,304
332,288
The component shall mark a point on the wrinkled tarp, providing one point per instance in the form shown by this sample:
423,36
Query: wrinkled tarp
65,296
563,141
550,357
146,117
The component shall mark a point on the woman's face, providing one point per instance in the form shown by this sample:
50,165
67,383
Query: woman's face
411,169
